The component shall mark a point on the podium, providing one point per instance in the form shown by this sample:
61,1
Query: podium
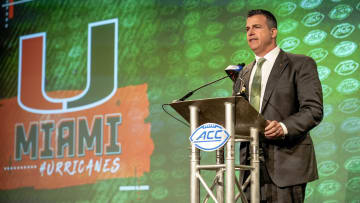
244,124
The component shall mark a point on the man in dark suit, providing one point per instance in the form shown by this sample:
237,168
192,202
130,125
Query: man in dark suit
286,90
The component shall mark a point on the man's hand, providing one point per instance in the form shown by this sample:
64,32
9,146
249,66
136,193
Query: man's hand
273,130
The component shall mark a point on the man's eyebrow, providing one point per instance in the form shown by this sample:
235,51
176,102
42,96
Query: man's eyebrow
253,25
256,25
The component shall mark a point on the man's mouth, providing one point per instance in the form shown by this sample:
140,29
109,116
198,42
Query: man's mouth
253,39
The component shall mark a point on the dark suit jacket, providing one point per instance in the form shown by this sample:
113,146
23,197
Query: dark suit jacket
293,96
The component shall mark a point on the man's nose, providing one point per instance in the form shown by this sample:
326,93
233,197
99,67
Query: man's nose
250,32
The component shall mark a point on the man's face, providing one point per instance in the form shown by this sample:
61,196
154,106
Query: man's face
260,37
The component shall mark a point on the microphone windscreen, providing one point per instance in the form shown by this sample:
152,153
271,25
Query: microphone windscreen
233,71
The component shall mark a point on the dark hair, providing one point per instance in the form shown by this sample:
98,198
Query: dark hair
271,20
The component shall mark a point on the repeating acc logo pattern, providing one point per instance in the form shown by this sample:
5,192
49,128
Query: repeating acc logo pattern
315,37
323,72
327,168
342,30
331,201
310,4
326,90
347,67
290,43
353,184
351,125
325,148
286,8
344,49
313,19
308,191
352,144
348,86
318,54
325,30
240,55
352,165
328,187
328,109
340,12
288,26
350,105
325,129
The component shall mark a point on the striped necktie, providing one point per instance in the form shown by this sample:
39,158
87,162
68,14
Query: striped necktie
256,85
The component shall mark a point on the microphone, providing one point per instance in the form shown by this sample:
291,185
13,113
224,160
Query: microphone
238,89
233,70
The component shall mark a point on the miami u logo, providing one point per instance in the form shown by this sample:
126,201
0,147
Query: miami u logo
101,71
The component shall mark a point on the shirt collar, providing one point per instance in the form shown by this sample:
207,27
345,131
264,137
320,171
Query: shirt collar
271,56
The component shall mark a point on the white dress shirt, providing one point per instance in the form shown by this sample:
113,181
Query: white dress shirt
265,72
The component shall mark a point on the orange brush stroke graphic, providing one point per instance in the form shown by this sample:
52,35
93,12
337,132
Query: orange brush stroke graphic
133,135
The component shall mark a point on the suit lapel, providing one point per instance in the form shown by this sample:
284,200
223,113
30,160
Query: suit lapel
279,65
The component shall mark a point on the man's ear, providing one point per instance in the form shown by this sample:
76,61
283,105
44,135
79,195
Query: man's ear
273,33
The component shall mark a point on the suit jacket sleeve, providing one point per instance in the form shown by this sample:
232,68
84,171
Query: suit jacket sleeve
310,100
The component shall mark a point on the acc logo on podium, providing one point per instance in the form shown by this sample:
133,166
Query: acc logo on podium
209,137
